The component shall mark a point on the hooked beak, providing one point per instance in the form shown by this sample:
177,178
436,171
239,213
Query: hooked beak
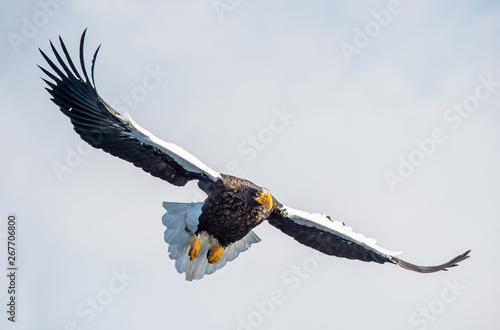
265,199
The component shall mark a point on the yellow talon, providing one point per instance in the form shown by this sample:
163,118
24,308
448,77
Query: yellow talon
194,249
214,253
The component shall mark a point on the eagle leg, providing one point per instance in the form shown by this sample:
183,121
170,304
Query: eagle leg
194,249
214,253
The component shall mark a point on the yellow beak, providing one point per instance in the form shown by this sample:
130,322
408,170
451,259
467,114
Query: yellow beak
265,199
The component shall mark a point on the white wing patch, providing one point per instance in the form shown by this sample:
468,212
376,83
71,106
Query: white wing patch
181,221
335,227
181,156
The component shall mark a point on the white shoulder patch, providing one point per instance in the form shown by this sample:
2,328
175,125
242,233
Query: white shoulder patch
180,155
181,221
335,227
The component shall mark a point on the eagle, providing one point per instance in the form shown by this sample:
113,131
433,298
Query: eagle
202,236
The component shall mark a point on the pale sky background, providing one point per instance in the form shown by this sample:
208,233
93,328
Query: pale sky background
227,78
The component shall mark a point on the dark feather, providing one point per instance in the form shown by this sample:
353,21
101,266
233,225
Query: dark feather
324,241
336,245
431,269
101,126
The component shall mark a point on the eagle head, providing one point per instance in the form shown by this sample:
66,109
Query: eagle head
264,197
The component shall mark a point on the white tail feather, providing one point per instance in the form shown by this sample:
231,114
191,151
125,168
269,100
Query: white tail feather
181,221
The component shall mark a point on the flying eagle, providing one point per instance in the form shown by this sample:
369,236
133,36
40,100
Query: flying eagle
202,237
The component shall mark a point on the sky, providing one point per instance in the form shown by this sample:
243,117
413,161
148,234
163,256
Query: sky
382,114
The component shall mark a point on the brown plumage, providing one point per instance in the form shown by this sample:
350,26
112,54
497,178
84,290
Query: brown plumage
231,211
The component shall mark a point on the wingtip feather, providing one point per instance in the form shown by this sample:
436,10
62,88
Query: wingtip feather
431,269
82,59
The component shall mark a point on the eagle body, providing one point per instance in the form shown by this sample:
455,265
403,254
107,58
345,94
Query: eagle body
201,237
230,212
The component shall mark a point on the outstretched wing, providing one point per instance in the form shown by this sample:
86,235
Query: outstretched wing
335,238
103,127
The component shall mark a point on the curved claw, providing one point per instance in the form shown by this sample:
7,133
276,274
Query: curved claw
194,249
214,253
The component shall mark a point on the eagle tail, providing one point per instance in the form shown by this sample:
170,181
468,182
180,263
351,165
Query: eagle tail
181,221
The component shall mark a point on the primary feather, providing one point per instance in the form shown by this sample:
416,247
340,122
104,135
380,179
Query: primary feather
103,127
333,237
